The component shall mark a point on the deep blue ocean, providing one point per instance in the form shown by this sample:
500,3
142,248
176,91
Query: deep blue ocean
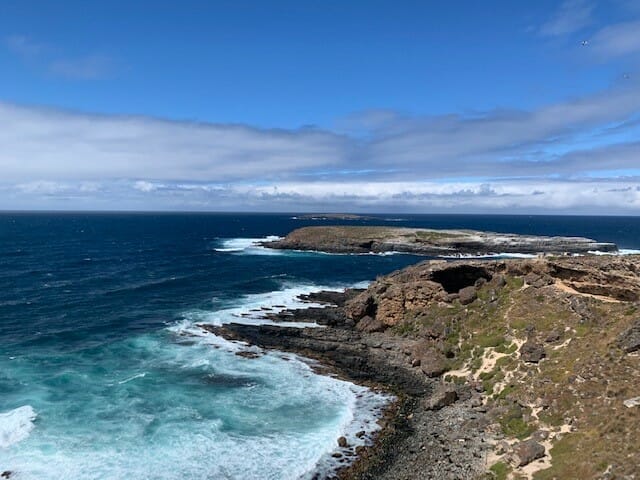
104,373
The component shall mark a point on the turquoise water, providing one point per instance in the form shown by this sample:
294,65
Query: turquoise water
104,373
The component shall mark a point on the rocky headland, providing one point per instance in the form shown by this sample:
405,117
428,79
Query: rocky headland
502,369
420,241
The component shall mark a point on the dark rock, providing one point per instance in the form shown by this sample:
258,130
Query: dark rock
467,295
451,297
537,281
248,354
629,340
361,434
444,396
553,337
342,442
526,452
433,363
370,325
499,281
532,352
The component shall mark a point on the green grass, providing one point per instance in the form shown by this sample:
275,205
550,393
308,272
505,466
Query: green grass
499,471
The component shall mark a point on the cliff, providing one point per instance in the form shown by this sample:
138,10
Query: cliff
360,239
504,369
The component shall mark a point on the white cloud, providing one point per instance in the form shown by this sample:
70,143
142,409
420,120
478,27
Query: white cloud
55,158
91,67
59,145
572,16
617,40
24,46
49,60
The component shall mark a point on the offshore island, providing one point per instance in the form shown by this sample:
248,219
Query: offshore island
503,368
420,241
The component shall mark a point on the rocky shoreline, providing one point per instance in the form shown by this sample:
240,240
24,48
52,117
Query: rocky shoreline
419,438
496,365
419,241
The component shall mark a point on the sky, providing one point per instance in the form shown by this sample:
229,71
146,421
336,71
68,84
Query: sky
362,106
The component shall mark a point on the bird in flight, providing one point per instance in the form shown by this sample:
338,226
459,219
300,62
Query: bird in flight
585,43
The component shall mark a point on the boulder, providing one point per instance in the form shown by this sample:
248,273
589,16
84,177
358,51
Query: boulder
532,352
553,336
467,295
432,363
526,452
629,340
342,442
444,396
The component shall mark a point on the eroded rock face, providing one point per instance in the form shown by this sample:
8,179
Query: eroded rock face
405,294
368,324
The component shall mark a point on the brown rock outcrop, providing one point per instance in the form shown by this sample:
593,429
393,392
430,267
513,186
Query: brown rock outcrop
404,294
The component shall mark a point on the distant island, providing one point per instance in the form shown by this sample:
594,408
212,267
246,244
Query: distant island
332,216
420,241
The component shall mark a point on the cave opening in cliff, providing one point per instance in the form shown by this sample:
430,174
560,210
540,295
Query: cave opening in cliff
457,277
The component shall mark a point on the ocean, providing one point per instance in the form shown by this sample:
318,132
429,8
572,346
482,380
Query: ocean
104,373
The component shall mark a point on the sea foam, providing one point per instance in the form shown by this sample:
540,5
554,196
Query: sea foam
247,245
16,425
254,309
622,251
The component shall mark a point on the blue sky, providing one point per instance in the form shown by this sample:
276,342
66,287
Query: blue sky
494,106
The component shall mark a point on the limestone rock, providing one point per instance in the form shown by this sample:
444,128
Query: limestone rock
632,402
537,281
629,340
360,306
369,325
433,363
526,452
444,396
467,295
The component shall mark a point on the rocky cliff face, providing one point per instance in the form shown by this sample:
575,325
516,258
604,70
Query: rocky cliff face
358,239
405,294
505,369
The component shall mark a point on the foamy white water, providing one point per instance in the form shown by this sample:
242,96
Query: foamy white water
622,251
489,255
249,246
253,309
195,412
16,425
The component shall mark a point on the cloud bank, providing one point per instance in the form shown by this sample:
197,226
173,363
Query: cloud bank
579,155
